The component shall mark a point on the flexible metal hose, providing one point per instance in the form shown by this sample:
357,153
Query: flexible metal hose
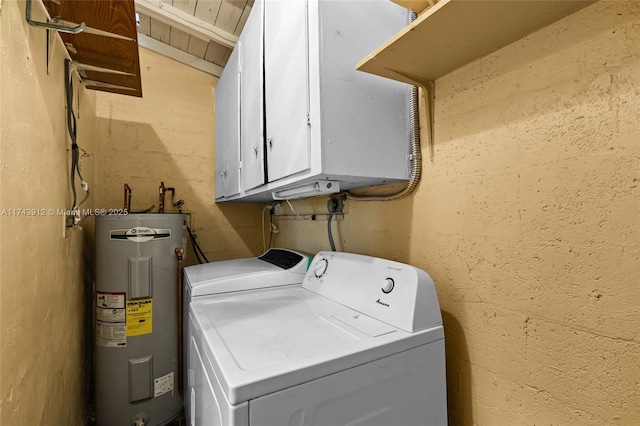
415,156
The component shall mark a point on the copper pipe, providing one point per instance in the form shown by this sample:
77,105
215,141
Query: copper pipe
180,253
127,198
173,194
161,202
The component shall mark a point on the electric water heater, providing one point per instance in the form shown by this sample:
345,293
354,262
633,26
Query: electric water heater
137,319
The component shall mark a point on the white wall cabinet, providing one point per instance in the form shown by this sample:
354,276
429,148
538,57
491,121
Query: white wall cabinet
251,140
302,112
228,129
286,48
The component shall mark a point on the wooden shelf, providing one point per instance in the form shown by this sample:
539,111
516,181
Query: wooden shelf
455,32
113,16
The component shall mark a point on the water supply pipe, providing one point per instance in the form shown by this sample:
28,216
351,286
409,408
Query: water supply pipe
127,198
161,201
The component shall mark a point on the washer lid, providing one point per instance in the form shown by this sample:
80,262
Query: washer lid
274,268
272,339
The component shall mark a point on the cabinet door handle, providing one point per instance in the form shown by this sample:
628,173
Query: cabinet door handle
270,142
255,151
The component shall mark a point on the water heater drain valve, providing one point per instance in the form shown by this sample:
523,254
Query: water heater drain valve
140,419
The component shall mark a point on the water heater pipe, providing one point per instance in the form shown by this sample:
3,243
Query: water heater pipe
180,253
127,201
162,189
127,198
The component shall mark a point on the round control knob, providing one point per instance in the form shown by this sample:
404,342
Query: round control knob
388,285
320,268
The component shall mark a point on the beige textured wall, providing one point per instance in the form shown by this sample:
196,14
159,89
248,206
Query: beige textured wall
168,136
528,219
42,274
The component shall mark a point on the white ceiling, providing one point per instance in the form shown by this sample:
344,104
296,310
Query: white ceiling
198,33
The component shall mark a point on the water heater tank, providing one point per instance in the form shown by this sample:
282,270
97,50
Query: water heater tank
136,345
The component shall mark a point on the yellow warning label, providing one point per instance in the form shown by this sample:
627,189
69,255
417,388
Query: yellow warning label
139,317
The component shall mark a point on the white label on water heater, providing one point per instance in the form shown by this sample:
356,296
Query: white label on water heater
110,315
162,385
140,234
111,335
111,329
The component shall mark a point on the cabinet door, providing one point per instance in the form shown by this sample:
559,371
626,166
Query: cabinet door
228,129
252,102
286,87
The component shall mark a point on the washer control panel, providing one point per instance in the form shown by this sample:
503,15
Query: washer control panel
398,294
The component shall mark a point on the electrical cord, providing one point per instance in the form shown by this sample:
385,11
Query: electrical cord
334,205
332,244
71,126
291,207
271,227
191,237
196,247
75,151
264,243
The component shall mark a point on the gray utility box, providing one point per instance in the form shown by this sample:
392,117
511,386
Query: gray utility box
137,319
291,109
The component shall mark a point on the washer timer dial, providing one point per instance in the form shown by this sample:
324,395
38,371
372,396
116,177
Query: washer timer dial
320,268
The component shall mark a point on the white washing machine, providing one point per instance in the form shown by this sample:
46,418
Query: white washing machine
275,268
361,342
